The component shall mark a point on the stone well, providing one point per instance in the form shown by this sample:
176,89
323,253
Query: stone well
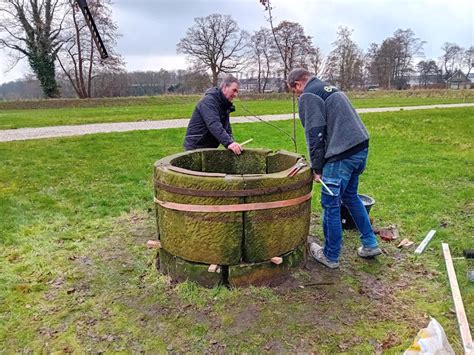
233,220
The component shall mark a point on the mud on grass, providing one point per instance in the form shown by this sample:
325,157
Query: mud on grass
110,297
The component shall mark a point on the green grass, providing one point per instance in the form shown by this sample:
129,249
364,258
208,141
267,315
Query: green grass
75,276
70,112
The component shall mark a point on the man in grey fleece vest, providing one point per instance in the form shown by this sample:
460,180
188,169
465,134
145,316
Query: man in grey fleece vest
337,143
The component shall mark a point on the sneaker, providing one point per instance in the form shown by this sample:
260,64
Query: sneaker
317,253
365,252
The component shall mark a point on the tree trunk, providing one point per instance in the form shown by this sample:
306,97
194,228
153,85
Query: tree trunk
215,76
44,69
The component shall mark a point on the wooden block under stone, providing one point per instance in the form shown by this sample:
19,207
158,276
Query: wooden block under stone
277,260
214,268
153,244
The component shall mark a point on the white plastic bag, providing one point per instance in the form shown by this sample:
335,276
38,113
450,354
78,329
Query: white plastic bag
430,340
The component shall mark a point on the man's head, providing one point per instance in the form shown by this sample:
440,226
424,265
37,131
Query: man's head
297,80
230,87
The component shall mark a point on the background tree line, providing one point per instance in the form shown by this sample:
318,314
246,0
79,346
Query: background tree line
139,83
53,37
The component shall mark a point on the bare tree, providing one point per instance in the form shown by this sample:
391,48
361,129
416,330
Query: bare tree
216,43
261,44
79,57
450,58
315,60
192,82
382,62
110,85
429,72
407,47
345,62
31,30
294,45
268,7
367,76
392,61
468,59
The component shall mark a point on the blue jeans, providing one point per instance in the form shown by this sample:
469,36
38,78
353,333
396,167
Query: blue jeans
342,178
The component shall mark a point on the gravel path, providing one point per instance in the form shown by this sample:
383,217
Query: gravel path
79,130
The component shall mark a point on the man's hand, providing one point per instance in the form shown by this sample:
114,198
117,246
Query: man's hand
316,177
235,147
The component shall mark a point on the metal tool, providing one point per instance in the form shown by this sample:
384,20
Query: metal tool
327,188
297,167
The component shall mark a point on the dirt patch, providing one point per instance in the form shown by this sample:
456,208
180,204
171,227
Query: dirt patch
244,318
314,308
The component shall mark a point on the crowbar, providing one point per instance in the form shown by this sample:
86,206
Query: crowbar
327,188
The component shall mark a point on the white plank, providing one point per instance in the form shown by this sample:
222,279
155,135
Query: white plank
425,242
458,304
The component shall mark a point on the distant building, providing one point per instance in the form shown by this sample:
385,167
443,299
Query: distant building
429,81
458,80
251,85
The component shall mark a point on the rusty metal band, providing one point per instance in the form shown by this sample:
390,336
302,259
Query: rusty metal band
234,208
233,193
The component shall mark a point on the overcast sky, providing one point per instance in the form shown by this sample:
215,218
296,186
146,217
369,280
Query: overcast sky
151,28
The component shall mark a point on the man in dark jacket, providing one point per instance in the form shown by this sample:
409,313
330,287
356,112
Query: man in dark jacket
210,124
338,144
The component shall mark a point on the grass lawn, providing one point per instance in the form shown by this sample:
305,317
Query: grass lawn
76,277
69,112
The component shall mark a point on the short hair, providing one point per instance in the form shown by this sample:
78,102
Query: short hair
229,80
297,74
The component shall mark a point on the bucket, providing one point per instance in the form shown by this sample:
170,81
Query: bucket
346,218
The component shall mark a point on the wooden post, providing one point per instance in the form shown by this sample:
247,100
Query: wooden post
458,304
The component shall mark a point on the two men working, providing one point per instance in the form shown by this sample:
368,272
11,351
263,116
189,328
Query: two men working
337,143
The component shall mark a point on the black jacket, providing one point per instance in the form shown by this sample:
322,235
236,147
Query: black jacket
210,125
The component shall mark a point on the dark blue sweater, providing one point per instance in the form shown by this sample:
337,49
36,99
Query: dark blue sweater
210,125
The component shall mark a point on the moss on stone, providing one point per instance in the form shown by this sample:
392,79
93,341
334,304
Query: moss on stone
252,161
172,178
226,238
213,238
182,270
266,273
281,160
272,233
192,161
276,231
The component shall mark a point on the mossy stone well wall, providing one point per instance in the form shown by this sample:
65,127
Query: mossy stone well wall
235,240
